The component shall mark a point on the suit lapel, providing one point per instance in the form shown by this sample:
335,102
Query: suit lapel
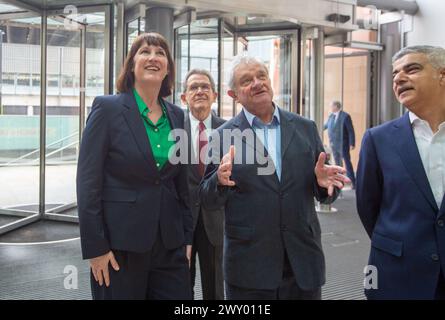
136,125
442,206
192,157
242,124
175,123
216,122
287,132
408,151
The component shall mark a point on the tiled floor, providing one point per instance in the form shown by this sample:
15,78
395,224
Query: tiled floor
45,271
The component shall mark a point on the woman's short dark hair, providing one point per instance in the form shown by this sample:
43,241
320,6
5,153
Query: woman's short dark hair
125,81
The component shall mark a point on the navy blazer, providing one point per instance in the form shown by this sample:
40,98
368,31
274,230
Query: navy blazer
123,199
265,216
341,132
399,212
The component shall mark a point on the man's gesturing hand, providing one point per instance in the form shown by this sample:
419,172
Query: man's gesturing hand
329,176
225,168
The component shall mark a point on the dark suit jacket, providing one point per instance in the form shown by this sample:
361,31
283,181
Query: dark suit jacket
263,216
399,213
123,199
213,220
341,132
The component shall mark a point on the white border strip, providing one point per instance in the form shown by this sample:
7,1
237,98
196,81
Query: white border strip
36,243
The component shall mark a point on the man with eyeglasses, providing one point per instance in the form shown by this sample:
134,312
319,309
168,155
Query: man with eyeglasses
199,95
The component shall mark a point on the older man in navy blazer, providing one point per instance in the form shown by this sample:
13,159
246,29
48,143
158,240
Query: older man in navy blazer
401,180
267,182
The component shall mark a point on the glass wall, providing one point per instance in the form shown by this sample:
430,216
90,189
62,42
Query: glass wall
19,117
227,104
134,28
196,47
75,74
276,52
64,101
346,80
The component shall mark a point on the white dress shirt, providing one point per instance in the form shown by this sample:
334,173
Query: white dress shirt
336,115
431,147
194,129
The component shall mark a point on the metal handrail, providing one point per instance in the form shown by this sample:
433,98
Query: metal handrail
60,149
38,150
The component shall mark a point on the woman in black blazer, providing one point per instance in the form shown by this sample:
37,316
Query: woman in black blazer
135,224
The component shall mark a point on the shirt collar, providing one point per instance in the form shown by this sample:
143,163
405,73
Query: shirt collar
250,117
143,108
413,117
416,121
207,121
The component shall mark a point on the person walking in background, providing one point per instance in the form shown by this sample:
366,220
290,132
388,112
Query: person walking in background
199,95
341,137
135,223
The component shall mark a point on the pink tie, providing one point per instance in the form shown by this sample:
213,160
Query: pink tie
202,143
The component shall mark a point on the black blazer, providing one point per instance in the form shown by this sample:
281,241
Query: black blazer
265,216
123,199
214,220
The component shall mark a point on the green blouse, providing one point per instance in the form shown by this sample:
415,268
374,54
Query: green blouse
157,133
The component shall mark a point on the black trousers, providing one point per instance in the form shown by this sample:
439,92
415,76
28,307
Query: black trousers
348,164
440,290
159,274
288,289
210,264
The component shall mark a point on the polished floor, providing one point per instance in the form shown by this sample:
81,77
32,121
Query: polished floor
43,260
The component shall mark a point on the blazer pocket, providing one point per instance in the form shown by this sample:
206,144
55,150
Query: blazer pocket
119,195
386,244
237,232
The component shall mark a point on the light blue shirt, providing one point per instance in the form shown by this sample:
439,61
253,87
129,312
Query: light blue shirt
269,135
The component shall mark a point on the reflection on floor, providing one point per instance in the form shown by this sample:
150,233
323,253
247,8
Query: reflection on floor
41,271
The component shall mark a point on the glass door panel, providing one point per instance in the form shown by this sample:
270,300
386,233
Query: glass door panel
19,118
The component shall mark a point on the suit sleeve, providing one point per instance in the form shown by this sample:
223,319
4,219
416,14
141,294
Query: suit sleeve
182,187
90,172
320,193
212,195
350,129
369,184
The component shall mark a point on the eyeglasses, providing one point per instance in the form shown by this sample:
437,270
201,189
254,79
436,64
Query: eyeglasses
195,87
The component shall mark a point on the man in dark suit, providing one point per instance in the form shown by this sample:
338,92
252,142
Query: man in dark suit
199,95
401,182
267,182
341,137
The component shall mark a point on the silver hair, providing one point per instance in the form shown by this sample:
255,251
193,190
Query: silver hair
242,59
337,104
435,55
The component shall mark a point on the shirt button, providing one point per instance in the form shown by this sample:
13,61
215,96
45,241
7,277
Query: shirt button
157,164
156,129
435,257
440,223
158,146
